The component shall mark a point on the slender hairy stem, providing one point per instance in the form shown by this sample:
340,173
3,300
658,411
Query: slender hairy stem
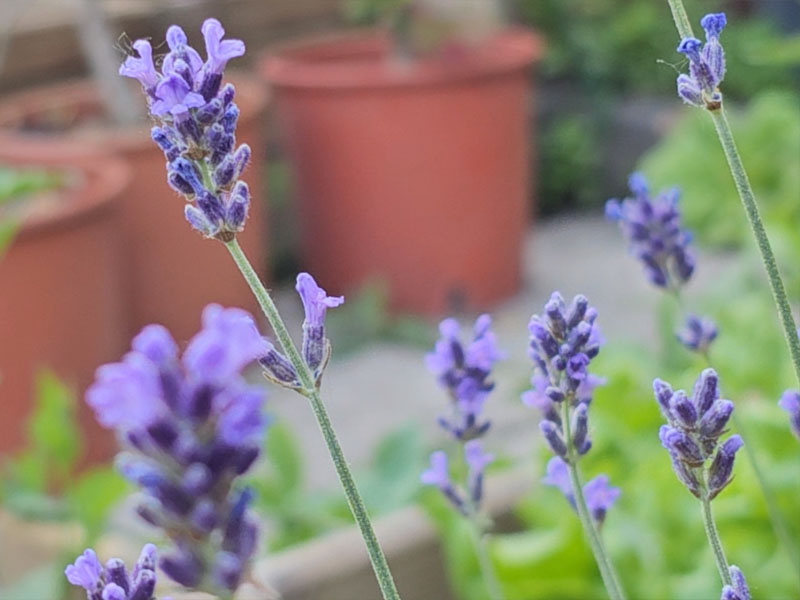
750,205
479,538
713,540
357,507
610,579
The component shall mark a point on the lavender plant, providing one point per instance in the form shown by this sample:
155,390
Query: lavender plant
692,439
464,371
190,427
701,89
196,119
112,581
563,342
790,402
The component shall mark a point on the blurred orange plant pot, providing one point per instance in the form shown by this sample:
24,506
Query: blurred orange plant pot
417,173
61,303
169,271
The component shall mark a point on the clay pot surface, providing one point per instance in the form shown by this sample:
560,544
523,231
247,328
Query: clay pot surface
416,174
169,271
61,301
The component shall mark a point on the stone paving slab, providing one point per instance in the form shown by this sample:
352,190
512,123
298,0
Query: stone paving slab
383,385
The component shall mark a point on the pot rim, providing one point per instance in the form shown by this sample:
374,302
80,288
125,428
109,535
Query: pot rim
100,184
77,93
355,59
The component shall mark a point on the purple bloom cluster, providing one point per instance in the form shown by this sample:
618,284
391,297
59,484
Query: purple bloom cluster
466,501
790,402
692,435
191,425
706,65
652,226
739,589
112,581
196,127
563,342
697,333
463,370
599,495
316,347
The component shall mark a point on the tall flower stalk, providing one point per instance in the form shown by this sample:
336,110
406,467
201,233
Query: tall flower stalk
196,128
655,234
463,371
701,89
562,344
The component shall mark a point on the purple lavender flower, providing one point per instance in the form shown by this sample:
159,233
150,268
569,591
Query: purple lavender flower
563,343
697,333
706,65
739,590
599,495
464,372
790,402
692,435
477,460
196,126
439,475
467,498
113,582
652,227
191,425
316,347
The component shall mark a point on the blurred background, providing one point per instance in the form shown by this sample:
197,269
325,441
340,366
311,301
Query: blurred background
425,158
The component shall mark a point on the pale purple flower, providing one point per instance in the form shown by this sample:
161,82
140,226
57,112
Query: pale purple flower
438,475
652,227
141,67
695,425
790,402
599,495
113,582
316,347
174,96
192,425
219,51
464,370
477,460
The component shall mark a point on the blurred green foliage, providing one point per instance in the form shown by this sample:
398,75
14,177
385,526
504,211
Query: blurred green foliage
768,136
655,532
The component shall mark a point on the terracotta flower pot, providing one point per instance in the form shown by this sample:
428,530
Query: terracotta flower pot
61,301
170,272
417,174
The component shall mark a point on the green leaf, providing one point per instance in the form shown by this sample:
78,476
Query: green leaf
92,497
45,582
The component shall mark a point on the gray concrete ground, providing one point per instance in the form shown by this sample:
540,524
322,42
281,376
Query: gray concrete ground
371,392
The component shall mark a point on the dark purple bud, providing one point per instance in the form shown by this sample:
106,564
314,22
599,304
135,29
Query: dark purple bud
553,393
576,367
663,393
240,158
209,86
542,337
230,118
117,574
313,345
179,184
199,405
716,418
189,129
719,474
554,309
162,139
197,219
553,438
144,586
245,459
580,429
577,310
682,410
211,207
227,570
163,433
183,567
239,207
210,112
227,94
740,587
279,367
686,476
225,172
681,445
204,516
706,391
188,173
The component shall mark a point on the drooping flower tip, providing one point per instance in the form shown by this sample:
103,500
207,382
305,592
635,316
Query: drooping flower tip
790,402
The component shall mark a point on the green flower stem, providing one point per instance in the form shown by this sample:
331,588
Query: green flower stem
357,507
713,539
750,205
480,539
610,579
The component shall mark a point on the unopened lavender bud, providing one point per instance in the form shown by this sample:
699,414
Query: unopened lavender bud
239,207
577,310
686,476
682,410
199,221
719,474
713,423
279,367
543,337
225,172
554,309
144,586
227,570
553,393
204,516
697,333
553,438
580,429
211,206
210,112
790,402
681,445
184,567
227,94
179,184
738,590
663,393
230,118
689,91
706,390
117,574
241,158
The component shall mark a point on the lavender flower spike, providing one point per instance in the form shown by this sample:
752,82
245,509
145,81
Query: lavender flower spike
652,226
464,371
113,582
790,402
739,590
196,127
706,65
697,334
191,426
695,425
316,347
